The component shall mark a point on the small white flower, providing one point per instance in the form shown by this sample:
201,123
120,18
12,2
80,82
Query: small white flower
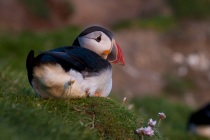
162,116
152,123
130,106
124,100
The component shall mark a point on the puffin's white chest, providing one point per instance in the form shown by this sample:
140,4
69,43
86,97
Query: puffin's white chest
50,80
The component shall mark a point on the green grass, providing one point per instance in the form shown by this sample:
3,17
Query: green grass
177,85
23,116
193,9
159,23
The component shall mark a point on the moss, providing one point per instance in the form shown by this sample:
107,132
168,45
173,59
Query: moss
25,116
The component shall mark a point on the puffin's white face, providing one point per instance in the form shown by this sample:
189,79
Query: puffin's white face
98,42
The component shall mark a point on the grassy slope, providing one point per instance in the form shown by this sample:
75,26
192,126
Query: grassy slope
22,116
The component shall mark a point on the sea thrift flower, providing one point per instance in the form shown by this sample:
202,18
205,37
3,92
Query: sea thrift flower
162,116
152,123
148,131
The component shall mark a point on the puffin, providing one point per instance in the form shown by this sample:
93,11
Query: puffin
199,121
81,70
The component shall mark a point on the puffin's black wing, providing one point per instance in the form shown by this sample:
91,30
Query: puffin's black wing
80,59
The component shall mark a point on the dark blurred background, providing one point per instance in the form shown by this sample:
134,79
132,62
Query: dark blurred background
165,42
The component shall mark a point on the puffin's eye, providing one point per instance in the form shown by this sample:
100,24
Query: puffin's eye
98,39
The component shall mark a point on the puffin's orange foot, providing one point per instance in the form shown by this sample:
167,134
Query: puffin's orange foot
97,94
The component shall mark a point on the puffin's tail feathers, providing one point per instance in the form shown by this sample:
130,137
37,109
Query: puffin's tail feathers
29,65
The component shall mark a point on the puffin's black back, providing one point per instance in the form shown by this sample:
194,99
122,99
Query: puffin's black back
77,58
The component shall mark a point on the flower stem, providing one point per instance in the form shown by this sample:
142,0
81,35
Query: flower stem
159,122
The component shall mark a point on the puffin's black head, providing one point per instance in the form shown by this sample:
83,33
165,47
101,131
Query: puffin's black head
101,41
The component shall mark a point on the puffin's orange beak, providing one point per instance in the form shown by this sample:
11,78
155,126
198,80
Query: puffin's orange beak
116,55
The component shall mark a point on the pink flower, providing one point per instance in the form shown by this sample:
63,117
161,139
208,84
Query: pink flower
148,131
152,123
162,116
145,131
